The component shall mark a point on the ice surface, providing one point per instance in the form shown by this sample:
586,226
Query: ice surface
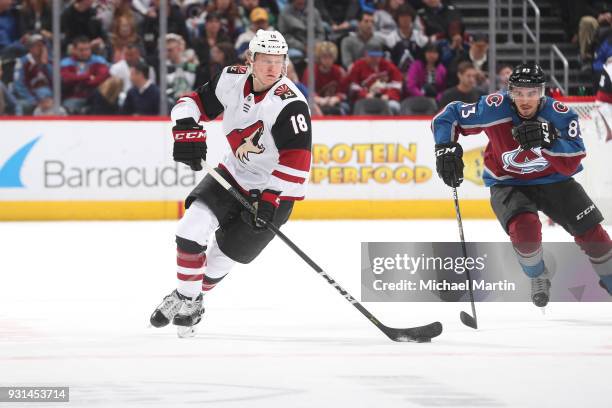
75,299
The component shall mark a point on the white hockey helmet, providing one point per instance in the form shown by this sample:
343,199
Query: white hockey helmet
268,42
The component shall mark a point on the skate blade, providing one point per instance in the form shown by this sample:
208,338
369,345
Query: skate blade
185,332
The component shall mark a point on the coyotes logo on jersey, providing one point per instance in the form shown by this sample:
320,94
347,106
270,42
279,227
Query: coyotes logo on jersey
245,141
237,69
284,92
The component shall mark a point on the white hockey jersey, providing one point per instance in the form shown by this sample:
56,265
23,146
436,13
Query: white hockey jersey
269,132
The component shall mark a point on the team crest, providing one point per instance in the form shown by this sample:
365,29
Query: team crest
246,141
237,69
524,161
494,99
284,92
560,107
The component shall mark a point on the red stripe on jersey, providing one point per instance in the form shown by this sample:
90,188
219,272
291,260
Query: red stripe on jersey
198,101
187,260
288,177
298,159
189,278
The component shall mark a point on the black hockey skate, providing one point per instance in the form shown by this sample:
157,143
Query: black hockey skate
167,309
190,313
540,289
188,317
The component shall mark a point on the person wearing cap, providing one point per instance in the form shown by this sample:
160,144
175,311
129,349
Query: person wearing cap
259,21
32,71
374,83
44,96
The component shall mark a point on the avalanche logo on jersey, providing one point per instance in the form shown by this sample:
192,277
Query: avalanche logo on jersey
245,141
524,161
284,92
494,100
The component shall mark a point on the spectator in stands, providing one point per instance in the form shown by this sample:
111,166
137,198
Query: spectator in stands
374,83
121,69
329,97
105,99
228,12
7,101
44,96
10,30
150,29
143,97
354,44
36,17
407,40
465,91
211,36
123,33
181,65
246,7
339,16
259,21
292,24
221,55
583,20
477,55
79,20
385,18
81,73
441,20
427,75
32,71
602,55
503,75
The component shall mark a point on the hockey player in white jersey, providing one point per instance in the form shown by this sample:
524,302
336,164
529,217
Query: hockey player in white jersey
266,121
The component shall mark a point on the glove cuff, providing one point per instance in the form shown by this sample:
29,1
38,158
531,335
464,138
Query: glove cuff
271,196
189,136
453,148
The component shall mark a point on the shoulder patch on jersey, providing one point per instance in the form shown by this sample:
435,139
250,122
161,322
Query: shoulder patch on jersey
284,92
237,69
560,107
495,99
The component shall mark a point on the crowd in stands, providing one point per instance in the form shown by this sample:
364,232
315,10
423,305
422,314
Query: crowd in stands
372,57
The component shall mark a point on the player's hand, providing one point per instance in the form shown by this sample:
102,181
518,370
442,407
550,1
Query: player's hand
265,208
189,143
531,133
449,163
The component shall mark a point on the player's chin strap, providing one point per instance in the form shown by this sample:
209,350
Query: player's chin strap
418,334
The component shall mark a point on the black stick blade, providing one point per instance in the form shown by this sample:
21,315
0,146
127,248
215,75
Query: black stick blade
421,334
468,320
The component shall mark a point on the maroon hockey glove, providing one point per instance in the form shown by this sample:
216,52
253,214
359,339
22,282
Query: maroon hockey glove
530,134
266,205
449,163
189,143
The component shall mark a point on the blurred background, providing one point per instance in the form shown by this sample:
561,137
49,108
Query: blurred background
374,73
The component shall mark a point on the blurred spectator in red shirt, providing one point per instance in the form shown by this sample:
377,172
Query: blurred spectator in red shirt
329,78
81,73
374,83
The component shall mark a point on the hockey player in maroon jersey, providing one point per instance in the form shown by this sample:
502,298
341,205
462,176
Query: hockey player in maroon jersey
266,121
534,149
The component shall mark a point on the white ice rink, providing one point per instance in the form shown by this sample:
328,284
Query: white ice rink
75,298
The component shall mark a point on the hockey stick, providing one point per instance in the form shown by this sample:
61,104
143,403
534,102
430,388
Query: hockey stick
465,318
418,334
